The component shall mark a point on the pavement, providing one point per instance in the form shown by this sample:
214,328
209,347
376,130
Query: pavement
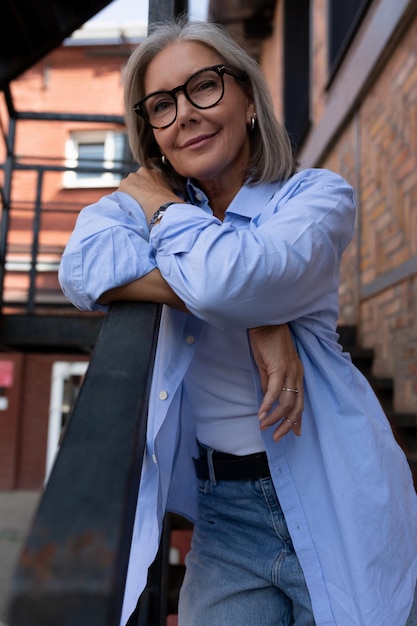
16,512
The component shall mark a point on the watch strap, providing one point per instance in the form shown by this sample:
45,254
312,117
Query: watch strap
159,214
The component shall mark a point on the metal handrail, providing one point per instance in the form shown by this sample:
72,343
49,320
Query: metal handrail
73,565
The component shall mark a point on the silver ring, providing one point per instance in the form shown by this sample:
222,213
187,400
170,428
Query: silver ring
291,422
288,389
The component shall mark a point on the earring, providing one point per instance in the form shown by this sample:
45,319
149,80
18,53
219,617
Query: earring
253,121
164,159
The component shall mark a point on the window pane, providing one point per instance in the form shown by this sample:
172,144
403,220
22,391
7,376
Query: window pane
119,150
344,19
122,155
90,155
297,70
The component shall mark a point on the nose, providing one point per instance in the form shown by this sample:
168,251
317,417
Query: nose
185,110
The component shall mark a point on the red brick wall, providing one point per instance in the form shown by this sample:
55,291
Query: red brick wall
24,425
82,80
78,80
386,124
342,160
69,80
10,423
34,420
377,153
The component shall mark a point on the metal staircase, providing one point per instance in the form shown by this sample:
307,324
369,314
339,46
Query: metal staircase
404,425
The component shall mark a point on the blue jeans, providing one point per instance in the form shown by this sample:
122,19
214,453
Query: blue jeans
242,568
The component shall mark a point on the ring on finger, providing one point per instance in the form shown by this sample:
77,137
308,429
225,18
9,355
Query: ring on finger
287,419
289,389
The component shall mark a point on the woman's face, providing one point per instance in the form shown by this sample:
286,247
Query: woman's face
208,145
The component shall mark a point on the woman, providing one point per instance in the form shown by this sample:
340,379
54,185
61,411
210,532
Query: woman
217,224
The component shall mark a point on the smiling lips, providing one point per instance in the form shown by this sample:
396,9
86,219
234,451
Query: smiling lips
200,139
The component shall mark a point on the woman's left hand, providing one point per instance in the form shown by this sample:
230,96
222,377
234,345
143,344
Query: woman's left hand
281,375
149,188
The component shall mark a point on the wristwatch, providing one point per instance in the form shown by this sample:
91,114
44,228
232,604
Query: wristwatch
158,215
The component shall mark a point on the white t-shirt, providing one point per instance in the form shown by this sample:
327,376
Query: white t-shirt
220,391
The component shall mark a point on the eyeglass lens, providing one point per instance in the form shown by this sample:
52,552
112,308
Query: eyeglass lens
203,90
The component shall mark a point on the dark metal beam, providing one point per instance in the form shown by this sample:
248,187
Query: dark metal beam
9,140
73,566
166,9
30,30
52,333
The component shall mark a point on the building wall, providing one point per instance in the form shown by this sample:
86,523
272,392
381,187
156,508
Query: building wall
81,80
375,149
385,151
71,80
24,423
11,396
74,79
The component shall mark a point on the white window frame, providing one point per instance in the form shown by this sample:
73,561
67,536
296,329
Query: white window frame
105,179
61,370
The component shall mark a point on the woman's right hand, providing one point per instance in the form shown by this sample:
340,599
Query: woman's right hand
150,189
281,374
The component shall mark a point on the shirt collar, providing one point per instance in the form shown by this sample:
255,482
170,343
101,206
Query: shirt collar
195,194
247,202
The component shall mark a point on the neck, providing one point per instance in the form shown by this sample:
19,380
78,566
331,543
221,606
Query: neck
219,197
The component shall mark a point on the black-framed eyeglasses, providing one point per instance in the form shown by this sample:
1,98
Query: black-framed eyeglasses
204,90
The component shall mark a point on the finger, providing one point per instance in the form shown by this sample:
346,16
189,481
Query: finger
290,398
288,380
290,420
289,410
286,426
272,387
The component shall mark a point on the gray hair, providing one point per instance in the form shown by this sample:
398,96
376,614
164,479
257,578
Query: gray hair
271,155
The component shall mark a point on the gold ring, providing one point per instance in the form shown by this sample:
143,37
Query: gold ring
288,389
291,422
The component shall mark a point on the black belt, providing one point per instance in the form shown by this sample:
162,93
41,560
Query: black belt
232,467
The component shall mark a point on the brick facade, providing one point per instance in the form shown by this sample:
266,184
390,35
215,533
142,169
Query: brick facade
24,424
384,154
72,79
375,149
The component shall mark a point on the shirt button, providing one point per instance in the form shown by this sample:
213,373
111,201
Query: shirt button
199,196
190,340
163,395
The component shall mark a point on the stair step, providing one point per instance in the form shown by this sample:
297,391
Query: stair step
413,458
405,420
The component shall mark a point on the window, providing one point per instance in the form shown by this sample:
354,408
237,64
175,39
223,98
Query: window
343,21
98,158
297,70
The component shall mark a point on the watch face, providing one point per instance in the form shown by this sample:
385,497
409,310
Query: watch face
164,206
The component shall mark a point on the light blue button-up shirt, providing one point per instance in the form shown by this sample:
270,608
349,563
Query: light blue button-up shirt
344,485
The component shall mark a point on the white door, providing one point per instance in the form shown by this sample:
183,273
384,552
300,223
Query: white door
66,382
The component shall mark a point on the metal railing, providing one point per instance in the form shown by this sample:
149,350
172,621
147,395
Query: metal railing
73,566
